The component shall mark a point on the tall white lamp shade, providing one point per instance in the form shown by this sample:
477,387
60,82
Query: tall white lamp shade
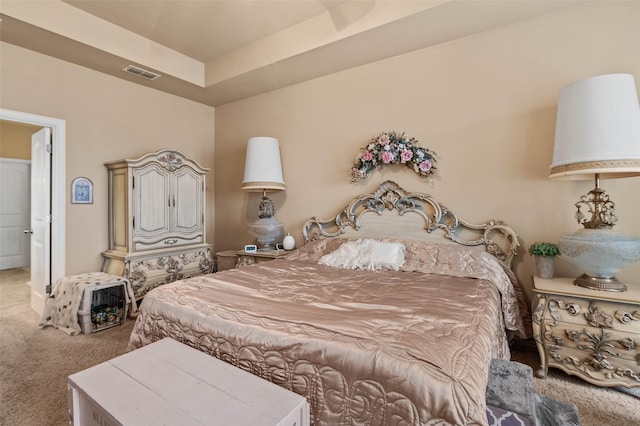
597,129
263,166
598,135
262,173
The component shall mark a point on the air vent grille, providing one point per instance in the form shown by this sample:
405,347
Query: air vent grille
149,75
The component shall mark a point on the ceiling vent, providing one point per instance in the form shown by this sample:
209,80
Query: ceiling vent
149,75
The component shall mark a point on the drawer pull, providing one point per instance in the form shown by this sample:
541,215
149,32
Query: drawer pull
572,309
627,317
170,242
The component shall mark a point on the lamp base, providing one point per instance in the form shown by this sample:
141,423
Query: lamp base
600,254
599,283
268,231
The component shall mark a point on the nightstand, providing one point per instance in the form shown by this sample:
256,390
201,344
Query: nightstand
236,258
592,334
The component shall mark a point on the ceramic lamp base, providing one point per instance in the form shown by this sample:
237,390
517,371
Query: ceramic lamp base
599,283
267,231
600,254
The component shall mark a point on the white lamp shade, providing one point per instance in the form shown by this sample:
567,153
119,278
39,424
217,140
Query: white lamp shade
597,129
262,167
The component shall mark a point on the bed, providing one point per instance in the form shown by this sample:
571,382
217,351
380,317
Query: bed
390,314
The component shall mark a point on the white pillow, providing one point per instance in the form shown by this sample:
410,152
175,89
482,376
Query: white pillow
383,255
345,257
366,254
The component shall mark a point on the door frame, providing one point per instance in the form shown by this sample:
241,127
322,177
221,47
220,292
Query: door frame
58,191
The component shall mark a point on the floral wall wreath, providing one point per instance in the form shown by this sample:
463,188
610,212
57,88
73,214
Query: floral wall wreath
391,148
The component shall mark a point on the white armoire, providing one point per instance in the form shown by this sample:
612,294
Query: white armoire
157,220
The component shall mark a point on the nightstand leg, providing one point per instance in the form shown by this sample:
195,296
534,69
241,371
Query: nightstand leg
539,305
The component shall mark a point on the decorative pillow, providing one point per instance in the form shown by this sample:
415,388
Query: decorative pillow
314,250
345,257
366,254
383,255
498,417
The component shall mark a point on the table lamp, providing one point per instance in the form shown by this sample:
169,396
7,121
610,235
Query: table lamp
598,137
262,173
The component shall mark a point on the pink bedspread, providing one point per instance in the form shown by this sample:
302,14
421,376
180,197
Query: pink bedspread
364,347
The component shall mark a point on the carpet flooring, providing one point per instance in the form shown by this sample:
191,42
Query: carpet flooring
597,406
35,363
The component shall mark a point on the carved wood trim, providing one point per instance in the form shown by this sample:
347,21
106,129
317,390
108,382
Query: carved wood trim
497,238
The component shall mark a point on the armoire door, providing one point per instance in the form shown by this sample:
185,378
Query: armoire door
151,200
188,214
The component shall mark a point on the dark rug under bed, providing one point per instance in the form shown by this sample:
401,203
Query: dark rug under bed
511,400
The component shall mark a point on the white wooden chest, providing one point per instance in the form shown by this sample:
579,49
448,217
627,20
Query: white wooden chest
169,383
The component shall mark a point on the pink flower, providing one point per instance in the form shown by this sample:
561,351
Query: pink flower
406,155
384,139
367,156
356,174
387,157
425,166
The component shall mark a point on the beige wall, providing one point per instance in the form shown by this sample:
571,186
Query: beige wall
106,119
486,104
15,139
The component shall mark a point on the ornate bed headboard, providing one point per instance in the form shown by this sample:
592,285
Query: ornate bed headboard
400,214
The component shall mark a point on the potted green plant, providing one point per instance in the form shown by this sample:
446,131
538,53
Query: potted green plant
544,254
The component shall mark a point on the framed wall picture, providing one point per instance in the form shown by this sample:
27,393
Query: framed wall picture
81,191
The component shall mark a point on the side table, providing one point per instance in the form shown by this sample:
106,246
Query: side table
237,258
592,334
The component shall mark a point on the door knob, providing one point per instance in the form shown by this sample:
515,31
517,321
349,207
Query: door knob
28,231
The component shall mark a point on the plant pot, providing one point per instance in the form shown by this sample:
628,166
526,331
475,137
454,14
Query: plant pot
544,266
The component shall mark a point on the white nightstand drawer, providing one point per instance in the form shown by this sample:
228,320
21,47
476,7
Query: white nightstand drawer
595,313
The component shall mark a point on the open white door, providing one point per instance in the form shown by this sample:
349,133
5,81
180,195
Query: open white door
56,263
40,217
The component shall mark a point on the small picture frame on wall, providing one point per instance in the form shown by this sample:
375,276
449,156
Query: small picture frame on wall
81,191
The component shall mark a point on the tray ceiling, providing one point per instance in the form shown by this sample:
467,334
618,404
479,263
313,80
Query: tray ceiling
220,51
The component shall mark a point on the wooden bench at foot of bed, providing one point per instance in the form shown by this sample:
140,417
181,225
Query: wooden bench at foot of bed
170,383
